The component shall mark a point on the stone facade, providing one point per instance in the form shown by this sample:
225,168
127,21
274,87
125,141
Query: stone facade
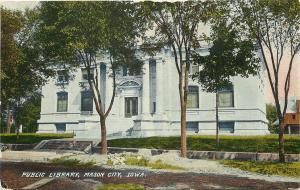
148,104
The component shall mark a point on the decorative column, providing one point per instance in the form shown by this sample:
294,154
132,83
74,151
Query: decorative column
145,90
159,86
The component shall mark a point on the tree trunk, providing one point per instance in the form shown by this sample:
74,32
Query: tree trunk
281,141
217,120
183,100
8,121
103,135
183,131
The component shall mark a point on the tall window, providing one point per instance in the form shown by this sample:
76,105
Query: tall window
62,101
226,97
85,74
193,97
86,101
131,106
152,77
103,84
125,71
195,68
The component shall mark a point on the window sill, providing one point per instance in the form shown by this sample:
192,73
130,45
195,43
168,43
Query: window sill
192,109
61,83
86,112
227,107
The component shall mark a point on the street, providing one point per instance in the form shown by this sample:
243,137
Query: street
13,176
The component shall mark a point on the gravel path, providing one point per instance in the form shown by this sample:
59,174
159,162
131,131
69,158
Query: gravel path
192,165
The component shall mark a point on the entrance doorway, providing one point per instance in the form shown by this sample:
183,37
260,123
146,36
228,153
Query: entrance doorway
131,106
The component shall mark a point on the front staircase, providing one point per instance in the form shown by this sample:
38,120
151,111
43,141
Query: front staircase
66,145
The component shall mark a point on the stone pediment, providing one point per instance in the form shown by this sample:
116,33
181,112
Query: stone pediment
130,83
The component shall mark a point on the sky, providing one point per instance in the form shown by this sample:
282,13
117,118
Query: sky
19,5
295,82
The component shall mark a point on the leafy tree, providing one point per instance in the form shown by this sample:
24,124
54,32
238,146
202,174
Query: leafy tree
11,56
176,26
229,56
272,117
28,113
75,34
22,69
274,26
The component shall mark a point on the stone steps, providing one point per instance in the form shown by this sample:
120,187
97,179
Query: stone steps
65,145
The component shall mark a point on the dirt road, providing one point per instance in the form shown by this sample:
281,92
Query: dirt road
13,175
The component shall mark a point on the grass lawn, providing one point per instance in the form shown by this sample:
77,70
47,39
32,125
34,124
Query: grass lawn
30,138
207,143
72,163
142,161
269,168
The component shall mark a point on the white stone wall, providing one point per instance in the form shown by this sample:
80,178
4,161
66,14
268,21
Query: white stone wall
248,112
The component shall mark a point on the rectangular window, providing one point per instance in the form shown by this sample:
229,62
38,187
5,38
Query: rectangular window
131,106
103,84
125,71
152,78
192,126
86,101
62,101
62,77
193,97
85,74
226,127
195,69
60,127
226,97
154,107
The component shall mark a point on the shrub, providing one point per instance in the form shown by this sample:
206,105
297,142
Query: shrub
269,168
31,138
267,143
72,162
158,164
135,160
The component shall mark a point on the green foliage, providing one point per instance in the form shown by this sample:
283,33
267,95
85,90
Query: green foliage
143,162
76,33
72,162
23,71
272,117
10,52
127,186
207,143
274,27
269,168
133,160
29,113
229,56
30,138
109,162
176,26
158,164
